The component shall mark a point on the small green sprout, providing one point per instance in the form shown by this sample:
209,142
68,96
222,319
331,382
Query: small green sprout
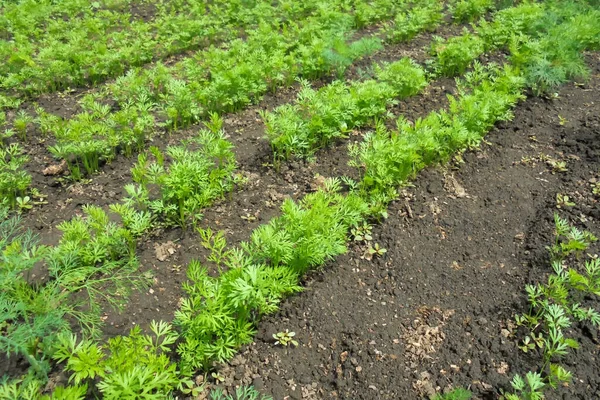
218,377
376,250
248,217
596,188
562,121
285,338
24,203
557,166
361,233
531,342
563,201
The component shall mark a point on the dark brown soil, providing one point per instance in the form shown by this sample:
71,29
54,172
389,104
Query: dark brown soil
435,312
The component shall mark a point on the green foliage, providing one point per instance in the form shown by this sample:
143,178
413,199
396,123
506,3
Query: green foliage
456,394
308,233
220,313
128,367
21,123
530,388
469,10
552,305
200,171
53,47
285,338
14,179
30,315
219,79
321,116
97,257
555,57
30,389
390,158
241,393
523,19
424,16
454,55
96,134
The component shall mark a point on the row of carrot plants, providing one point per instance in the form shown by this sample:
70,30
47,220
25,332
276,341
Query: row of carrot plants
90,45
319,117
220,312
216,79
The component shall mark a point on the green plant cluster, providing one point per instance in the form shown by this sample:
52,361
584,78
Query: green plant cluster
49,46
95,260
14,179
135,366
30,316
215,80
556,57
220,313
422,16
221,310
367,13
486,96
454,55
553,306
96,256
469,10
177,185
320,116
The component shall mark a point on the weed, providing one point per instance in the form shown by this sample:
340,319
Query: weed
563,201
376,250
285,338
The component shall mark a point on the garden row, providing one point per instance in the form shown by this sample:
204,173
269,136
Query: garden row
220,312
51,47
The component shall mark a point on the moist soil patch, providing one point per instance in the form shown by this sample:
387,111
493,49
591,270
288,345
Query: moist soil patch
436,311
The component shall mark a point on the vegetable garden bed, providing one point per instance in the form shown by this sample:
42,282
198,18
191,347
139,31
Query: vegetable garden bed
381,200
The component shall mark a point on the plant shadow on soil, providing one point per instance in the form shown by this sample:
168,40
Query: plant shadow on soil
436,311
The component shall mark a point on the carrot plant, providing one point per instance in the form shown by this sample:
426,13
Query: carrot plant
454,55
188,178
14,179
469,10
218,79
424,16
30,316
131,366
319,117
96,257
93,44
554,305
220,313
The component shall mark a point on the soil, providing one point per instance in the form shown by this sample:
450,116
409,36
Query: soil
436,311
